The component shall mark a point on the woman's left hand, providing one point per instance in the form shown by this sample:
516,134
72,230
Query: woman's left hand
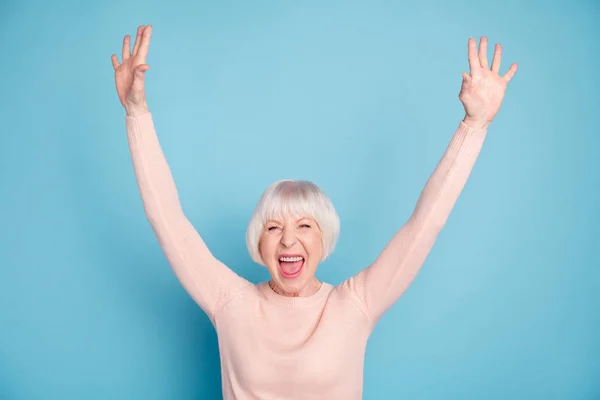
483,90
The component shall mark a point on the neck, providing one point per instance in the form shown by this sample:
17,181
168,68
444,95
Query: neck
311,288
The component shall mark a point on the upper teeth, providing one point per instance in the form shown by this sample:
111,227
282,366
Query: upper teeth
290,259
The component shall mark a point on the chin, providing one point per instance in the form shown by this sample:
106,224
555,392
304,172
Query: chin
291,283
298,282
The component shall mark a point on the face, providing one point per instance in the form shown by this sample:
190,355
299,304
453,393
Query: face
291,249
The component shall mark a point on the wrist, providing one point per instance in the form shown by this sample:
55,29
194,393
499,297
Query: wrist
476,123
136,110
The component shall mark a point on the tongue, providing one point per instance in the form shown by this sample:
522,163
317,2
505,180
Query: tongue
290,268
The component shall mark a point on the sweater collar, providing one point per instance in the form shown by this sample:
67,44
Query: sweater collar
294,302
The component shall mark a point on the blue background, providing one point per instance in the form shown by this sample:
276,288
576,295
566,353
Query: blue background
361,98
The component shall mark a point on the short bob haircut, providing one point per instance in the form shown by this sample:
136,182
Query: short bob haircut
293,198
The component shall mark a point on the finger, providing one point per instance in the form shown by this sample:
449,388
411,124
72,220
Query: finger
497,58
483,52
511,72
145,44
136,44
115,61
473,59
125,52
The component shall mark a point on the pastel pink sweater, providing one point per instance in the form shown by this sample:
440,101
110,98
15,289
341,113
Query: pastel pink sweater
276,347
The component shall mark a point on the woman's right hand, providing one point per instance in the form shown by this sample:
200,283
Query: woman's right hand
129,74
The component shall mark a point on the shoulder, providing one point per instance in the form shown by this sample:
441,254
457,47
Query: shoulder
242,294
345,295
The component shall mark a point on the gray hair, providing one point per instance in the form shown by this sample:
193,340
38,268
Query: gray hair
287,198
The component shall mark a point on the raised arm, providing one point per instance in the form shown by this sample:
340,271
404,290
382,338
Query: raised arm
379,285
205,278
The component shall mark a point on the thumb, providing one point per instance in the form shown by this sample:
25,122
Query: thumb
138,75
466,78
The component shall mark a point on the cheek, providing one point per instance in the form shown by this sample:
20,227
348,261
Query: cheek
267,248
263,248
313,244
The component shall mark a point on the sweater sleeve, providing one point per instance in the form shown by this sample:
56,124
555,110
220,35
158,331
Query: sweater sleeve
378,286
208,281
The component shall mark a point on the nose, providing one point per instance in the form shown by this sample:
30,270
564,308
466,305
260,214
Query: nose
288,239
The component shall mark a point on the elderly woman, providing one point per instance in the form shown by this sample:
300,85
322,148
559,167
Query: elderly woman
295,337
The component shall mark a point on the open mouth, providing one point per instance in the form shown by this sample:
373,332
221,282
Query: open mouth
291,266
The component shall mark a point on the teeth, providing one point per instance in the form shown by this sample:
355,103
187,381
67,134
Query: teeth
290,259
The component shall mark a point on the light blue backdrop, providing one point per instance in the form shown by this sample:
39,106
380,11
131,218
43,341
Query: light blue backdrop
361,98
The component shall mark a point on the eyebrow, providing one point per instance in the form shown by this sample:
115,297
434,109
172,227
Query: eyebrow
298,220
